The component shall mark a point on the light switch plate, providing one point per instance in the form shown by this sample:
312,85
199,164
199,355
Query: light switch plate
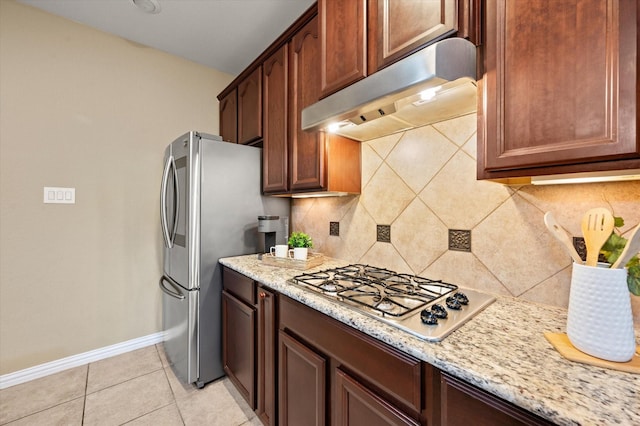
57,195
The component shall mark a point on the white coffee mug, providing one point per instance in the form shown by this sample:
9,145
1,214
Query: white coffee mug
279,250
298,253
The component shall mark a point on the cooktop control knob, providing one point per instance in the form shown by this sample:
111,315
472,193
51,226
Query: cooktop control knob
462,298
439,311
453,303
428,317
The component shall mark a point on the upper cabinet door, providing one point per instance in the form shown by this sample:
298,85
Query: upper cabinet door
343,44
275,145
229,117
399,27
250,107
559,87
307,148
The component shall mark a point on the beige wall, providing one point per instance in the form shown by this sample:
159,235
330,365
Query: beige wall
423,183
80,108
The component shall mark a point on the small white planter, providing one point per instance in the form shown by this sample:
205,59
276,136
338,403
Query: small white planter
600,322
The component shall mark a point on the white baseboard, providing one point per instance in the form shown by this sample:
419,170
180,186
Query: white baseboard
52,367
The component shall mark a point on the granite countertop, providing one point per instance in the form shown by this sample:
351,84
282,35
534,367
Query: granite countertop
502,350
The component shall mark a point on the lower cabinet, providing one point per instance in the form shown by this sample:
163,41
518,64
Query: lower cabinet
238,343
463,404
332,374
303,387
296,366
249,341
266,352
357,405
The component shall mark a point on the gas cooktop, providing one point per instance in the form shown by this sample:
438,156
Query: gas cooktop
428,309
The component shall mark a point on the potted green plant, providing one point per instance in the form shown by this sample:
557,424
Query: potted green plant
612,250
301,243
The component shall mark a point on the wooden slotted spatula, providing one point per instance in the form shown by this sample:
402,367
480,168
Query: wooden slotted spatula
597,226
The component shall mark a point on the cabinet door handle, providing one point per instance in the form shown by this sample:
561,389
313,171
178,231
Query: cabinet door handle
262,295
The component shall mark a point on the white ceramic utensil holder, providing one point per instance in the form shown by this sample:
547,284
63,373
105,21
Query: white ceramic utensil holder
599,321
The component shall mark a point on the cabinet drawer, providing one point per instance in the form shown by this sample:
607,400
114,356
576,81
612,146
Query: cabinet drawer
463,404
239,285
387,370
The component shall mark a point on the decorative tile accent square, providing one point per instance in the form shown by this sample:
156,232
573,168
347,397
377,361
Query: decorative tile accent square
459,240
383,233
334,229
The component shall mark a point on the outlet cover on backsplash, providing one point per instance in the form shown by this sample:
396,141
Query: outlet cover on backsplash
459,240
334,229
383,233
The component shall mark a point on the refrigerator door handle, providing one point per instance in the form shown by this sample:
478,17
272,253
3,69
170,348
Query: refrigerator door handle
177,293
166,234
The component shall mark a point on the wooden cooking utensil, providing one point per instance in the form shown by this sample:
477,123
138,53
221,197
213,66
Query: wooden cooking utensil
597,226
632,248
561,235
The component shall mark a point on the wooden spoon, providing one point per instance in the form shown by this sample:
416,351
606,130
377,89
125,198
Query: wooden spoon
632,248
562,235
597,226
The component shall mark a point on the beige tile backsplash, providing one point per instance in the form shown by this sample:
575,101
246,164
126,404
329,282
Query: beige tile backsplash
423,182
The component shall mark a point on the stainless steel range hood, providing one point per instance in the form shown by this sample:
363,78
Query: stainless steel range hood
433,84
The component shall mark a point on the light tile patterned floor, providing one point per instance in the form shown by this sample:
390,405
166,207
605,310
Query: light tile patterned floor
136,388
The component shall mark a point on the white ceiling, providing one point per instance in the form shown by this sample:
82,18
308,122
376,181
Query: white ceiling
223,34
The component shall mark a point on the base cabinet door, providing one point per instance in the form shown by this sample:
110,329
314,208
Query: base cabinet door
267,347
238,345
358,406
302,390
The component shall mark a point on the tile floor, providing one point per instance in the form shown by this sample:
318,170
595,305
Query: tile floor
136,388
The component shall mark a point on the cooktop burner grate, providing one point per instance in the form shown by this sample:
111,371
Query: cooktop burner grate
379,290
409,302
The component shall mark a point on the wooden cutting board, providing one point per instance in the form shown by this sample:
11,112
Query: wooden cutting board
561,342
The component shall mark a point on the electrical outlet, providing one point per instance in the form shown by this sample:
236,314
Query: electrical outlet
334,229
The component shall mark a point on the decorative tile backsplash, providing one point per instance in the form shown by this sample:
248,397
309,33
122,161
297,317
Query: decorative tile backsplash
422,183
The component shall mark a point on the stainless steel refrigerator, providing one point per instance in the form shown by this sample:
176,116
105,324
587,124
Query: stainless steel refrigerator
210,202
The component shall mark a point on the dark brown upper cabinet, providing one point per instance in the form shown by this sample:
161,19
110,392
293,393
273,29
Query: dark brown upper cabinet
307,153
400,27
241,110
250,108
296,161
229,117
559,89
359,37
343,43
275,144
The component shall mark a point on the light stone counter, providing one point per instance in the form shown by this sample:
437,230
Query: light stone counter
502,350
